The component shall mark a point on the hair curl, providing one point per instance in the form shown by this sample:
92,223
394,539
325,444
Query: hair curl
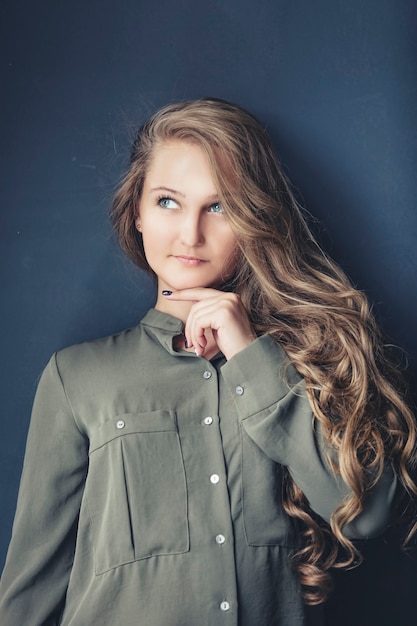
294,291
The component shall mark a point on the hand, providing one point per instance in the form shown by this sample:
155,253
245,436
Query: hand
220,312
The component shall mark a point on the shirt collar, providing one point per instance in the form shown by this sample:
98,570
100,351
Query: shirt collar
163,327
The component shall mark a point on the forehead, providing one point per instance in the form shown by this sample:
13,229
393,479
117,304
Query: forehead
176,161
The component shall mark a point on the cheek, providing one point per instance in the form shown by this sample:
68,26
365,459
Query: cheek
150,242
157,239
154,232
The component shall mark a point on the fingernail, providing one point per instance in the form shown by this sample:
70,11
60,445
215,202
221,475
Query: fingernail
166,292
186,343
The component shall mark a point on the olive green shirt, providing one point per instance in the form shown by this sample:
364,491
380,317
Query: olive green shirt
151,488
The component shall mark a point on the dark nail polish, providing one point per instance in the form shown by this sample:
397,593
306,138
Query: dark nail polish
186,343
166,292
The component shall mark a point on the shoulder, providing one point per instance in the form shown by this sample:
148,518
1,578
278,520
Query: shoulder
91,377
98,359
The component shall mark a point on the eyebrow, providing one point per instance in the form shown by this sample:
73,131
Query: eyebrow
169,190
213,198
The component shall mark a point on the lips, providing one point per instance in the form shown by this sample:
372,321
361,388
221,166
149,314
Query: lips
191,261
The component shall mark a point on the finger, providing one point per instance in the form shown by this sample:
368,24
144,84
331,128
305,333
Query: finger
204,315
194,294
226,318
195,330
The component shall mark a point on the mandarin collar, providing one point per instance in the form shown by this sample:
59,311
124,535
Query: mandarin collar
164,328
163,321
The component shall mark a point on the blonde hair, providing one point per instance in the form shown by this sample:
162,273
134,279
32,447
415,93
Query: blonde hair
294,291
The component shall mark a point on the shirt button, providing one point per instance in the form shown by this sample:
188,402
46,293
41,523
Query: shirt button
225,606
207,421
220,539
207,374
120,424
214,479
239,390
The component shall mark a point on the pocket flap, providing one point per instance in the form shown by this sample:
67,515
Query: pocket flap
130,423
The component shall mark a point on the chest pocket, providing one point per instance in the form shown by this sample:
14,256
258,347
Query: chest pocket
136,490
265,521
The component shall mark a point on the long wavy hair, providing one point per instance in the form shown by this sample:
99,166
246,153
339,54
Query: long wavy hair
294,291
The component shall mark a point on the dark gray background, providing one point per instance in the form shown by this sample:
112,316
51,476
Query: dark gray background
336,83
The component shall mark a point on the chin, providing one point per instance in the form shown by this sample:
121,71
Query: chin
193,284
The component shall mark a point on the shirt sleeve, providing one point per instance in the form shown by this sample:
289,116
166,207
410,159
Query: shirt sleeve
275,412
39,560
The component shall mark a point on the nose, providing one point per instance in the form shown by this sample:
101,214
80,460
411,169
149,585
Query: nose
192,230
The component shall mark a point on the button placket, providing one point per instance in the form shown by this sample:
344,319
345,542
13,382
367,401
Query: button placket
216,480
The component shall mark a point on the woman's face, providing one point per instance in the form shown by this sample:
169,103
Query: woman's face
187,238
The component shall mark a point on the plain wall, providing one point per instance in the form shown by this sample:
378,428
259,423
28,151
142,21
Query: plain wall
334,81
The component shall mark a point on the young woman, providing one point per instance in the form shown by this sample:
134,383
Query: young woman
211,465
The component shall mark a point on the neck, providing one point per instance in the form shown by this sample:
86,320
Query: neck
179,310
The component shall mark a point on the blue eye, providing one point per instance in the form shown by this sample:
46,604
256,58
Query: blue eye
167,203
216,208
